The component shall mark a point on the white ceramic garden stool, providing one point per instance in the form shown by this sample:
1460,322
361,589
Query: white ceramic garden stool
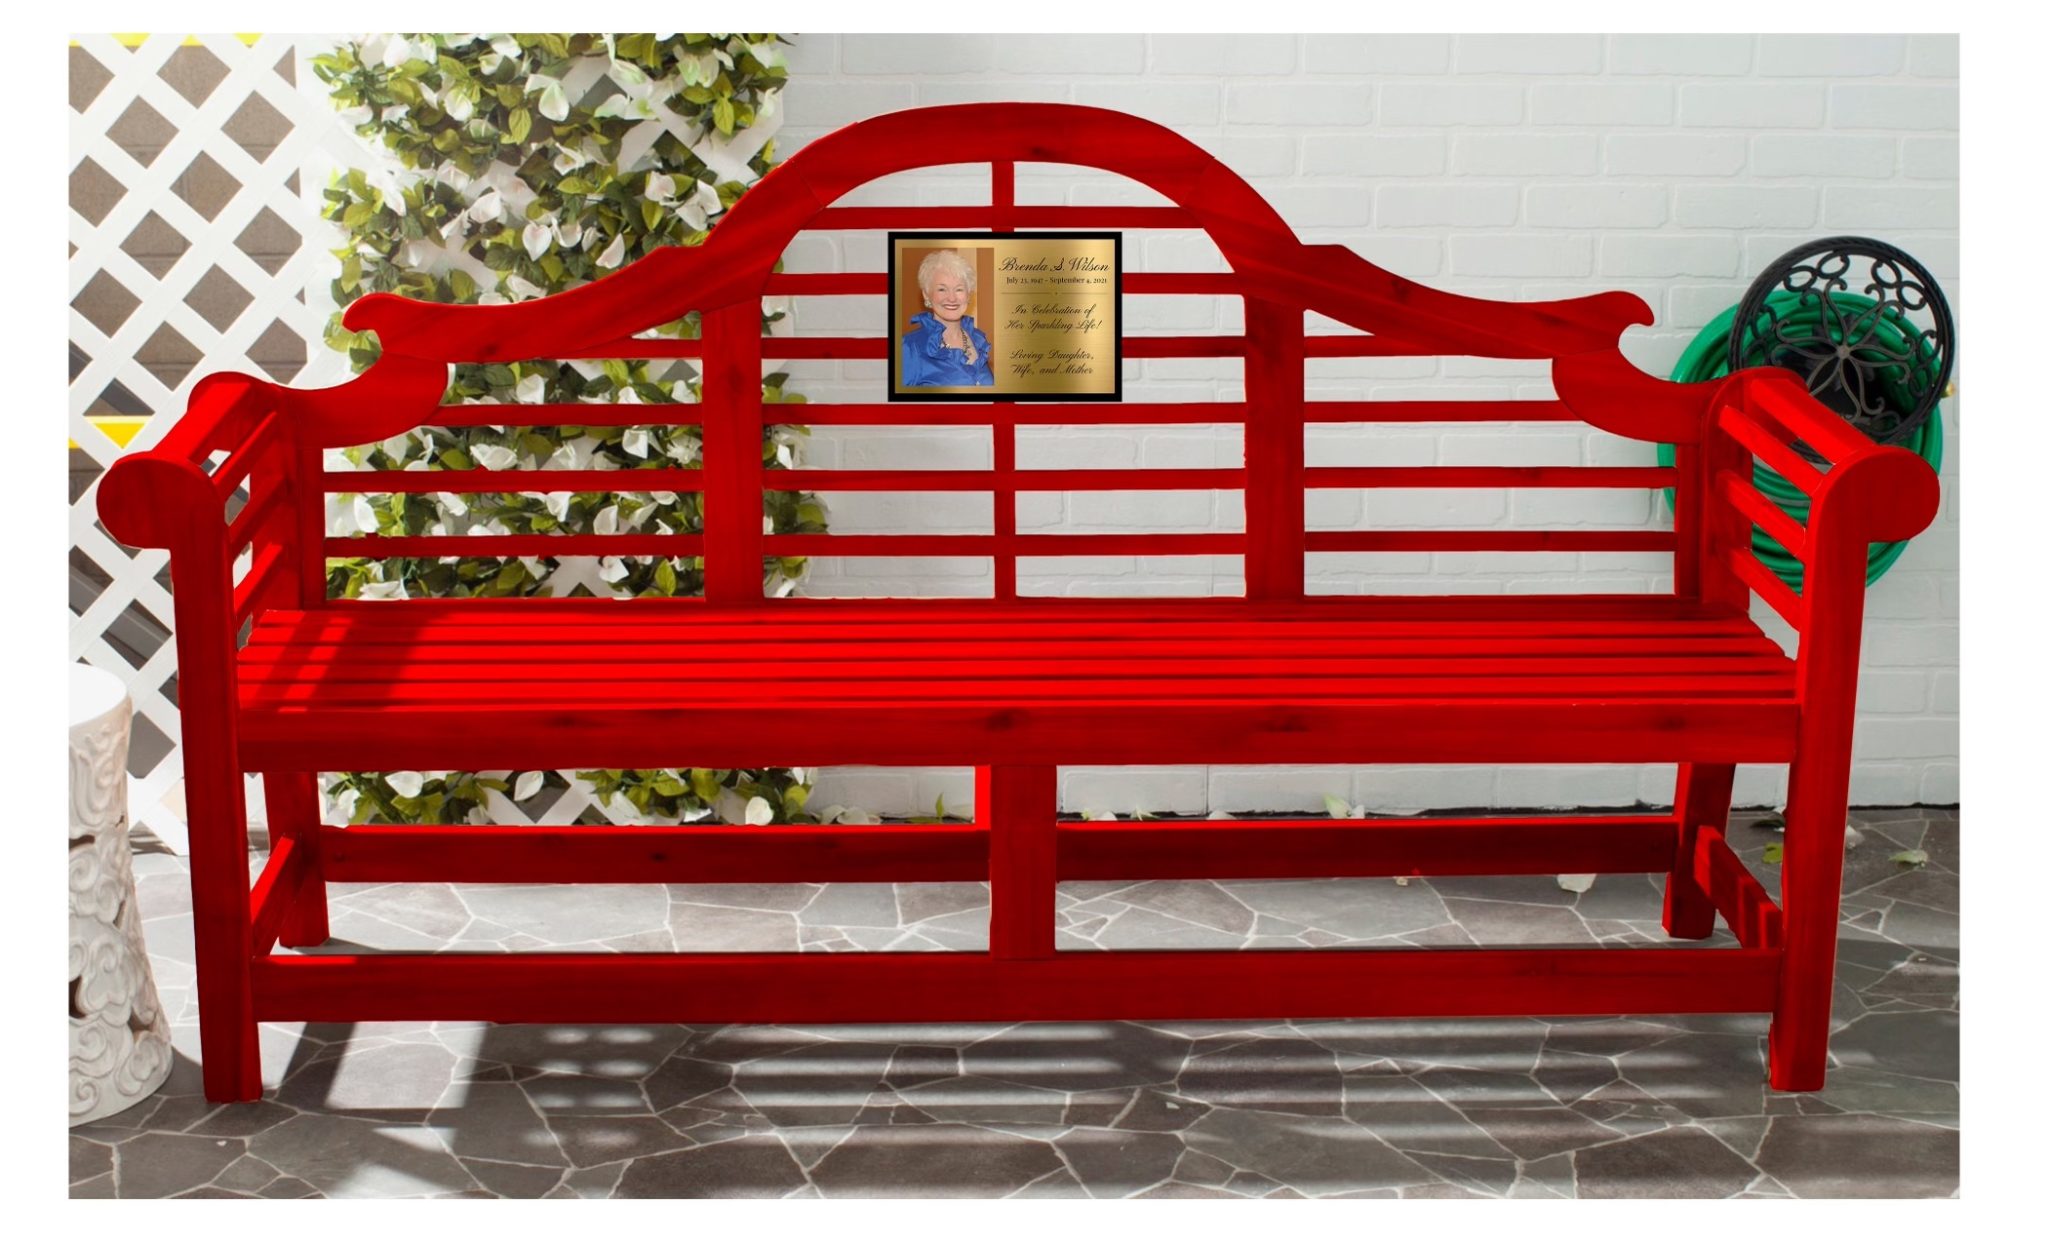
120,1040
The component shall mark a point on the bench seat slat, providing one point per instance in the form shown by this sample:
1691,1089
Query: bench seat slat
687,692
1534,613
537,666
962,641
638,733
537,660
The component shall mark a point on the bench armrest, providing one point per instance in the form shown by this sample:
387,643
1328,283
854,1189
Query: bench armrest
165,497
1862,493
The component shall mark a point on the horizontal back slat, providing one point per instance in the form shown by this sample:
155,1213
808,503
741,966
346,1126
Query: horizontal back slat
513,545
1490,541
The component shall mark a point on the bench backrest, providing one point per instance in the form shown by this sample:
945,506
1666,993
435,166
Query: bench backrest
1279,278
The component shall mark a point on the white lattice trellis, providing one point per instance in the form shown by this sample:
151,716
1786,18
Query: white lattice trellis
313,143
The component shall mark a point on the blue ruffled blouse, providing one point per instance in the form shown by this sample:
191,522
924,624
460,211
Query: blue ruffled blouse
927,362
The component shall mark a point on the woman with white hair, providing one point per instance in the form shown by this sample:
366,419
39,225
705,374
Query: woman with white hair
943,348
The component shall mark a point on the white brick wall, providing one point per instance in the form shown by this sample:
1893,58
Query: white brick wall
1521,167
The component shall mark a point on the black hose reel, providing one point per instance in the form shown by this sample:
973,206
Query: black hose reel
1841,313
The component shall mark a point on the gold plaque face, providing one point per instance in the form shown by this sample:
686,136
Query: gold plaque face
1005,316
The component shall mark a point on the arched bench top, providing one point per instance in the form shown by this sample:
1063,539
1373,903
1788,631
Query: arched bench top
735,261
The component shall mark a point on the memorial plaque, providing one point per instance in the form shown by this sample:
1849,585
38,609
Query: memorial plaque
1005,316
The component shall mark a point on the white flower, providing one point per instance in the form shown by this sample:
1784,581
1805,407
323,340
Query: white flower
628,397
758,811
554,102
568,159
384,591
767,525
613,253
565,457
607,521
531,390
698,69
854,815
529,784
452,502
626,106
557,503
494,457
487,206
570,234
635,441
697,212
366,517
506,46
665,498
523,287
663,528
611,569
661,187
631,78
536,235
407,784
459,106
345,804
397,445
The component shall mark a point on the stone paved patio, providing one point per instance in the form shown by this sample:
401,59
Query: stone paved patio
1643,1105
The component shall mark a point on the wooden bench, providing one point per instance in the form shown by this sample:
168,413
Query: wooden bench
1014,686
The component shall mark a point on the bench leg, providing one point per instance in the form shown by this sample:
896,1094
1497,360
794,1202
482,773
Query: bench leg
1816,819
1019,804
1704,791
293,802
218,821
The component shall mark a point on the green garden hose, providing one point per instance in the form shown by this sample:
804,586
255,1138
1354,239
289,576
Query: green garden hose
1707,359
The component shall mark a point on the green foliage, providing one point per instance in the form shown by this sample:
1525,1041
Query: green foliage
516,186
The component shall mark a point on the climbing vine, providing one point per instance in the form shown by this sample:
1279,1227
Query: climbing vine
520,165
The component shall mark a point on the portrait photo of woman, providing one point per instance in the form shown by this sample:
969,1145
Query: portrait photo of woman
943,347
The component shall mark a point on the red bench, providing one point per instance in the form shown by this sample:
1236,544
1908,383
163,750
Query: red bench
1015,686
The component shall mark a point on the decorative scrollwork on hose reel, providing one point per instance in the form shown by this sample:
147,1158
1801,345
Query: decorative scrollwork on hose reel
1863,322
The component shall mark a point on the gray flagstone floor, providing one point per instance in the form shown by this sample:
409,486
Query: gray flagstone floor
1642,1105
